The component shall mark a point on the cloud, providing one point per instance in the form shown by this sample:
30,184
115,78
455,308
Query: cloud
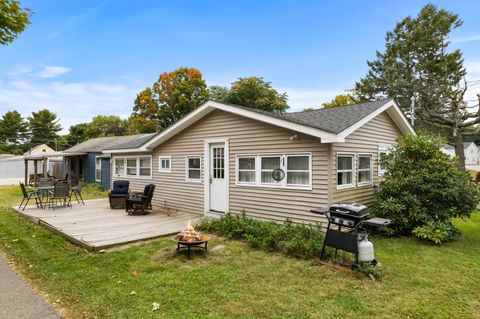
73,102
466,39
53,71
301,99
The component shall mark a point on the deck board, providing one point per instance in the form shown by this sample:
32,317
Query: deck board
96,226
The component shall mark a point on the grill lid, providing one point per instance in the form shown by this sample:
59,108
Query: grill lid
348,208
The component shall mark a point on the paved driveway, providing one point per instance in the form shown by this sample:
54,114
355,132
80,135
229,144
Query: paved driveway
18,300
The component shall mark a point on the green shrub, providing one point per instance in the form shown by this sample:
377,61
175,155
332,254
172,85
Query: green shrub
436,232
424,189
297,240
93,189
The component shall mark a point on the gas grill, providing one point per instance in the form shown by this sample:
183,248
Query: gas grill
352,217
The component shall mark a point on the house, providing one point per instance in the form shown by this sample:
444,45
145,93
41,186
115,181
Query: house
15,168
472,152
39,149
88,162
228,158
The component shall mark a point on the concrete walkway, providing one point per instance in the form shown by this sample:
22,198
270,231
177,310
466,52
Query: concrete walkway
18,300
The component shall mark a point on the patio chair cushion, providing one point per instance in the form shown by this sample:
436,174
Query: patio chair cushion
120,187
118,195
146,190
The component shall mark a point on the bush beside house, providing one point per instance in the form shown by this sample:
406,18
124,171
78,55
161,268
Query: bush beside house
423,189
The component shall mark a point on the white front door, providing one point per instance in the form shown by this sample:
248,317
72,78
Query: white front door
218,187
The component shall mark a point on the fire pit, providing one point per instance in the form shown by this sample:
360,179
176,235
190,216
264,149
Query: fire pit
190,238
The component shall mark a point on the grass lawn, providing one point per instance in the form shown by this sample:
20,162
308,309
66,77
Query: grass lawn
234,281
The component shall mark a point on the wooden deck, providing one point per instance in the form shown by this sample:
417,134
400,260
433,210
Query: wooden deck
95,226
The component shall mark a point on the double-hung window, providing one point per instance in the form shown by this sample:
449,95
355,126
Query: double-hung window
268,165
98,169
193,170
133,166
298,170
294,170
145,166
246,170
120,166
164,164
383,151
345,170
364,169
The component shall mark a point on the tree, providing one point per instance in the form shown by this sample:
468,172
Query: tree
341,100
106,125
13,20
76,134
44,127
174,95
416,66
255,93
218,93
13,129
423,189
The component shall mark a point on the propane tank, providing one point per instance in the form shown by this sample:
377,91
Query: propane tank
365,250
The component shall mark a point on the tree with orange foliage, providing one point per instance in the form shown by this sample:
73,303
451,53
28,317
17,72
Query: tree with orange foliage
174,95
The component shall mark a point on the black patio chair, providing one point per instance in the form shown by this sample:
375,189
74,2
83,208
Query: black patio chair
27,195
117,196
77,192
59,195
140,202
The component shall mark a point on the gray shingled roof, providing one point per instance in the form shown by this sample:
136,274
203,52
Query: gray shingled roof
333,120
112,142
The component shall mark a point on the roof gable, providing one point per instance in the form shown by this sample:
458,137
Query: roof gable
329,125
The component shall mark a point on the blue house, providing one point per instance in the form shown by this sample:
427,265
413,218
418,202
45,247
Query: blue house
85,161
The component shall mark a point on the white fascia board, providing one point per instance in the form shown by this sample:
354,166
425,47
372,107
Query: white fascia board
393,111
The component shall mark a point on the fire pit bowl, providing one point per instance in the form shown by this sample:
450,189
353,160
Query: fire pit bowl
201,242
190,238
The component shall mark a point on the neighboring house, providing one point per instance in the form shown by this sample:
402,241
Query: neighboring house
12,167
86,160
40,149
223,158
471,150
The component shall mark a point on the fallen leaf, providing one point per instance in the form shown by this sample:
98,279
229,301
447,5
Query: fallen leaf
134,273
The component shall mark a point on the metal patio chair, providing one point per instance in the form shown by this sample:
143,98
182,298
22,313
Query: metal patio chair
77,192
59,195
27,195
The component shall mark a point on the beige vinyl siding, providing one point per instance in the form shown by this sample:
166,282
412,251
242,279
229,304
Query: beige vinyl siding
245,136
365,140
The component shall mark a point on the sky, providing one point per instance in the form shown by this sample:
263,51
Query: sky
82,58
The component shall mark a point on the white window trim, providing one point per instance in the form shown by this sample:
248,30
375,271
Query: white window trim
187,168
237,169
370,170
137,157
165,170
354,173
283,184
382,149
99,180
